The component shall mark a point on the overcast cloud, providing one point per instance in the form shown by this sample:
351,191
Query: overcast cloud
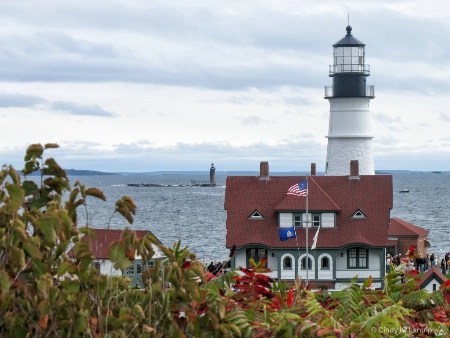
174,85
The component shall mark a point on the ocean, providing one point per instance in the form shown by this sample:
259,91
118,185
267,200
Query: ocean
196,217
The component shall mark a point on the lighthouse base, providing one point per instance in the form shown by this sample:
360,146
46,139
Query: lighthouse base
341,150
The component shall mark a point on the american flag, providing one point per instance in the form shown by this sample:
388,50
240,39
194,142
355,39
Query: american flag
299,189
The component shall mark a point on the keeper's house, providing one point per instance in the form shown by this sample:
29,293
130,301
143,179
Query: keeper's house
353,213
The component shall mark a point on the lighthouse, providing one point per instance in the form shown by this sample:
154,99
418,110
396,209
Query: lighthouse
212,176
349,132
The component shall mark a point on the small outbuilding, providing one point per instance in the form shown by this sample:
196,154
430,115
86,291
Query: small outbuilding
432,279
100,245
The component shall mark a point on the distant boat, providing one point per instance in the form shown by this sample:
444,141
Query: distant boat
404,190
437,172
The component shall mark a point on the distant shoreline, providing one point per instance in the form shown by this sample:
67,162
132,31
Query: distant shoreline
75,172
78,172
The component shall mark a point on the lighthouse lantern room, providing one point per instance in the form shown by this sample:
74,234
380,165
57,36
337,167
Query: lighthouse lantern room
349,132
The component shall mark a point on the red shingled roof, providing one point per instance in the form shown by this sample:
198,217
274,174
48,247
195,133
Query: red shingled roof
104,238
318,200
399,227
372,194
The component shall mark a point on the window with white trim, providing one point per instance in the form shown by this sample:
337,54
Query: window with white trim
315,219
303,263
287,263
359,214
256,254
325,263
297,220
357,258
96,265
256,215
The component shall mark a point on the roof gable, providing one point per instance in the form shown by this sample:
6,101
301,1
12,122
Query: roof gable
317,200
433,273
398,227
104,238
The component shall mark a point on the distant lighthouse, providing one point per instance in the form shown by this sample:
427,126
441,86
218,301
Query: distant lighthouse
349,132
212,176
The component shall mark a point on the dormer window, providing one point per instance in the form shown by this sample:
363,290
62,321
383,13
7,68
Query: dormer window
300,220
359,214
297,220
256,215
315,220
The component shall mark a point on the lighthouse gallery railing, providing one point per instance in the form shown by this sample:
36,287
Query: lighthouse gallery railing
370,91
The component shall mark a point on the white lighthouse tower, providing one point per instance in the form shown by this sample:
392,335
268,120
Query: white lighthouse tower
349,132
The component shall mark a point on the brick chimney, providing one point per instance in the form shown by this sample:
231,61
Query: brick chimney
264,170
354,169
313,169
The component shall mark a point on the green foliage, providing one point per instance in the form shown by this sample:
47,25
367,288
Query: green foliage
47,285
49,289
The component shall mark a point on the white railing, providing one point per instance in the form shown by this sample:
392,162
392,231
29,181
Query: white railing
370,91
348,274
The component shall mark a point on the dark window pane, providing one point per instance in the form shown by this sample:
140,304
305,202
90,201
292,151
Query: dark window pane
325,263
287,263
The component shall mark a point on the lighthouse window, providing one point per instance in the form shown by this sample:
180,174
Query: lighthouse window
348,59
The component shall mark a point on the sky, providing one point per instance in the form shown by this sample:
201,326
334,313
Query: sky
137,85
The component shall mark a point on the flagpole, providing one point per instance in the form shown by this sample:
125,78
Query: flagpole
307,226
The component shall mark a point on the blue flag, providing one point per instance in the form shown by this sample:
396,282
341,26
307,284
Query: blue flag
286,233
